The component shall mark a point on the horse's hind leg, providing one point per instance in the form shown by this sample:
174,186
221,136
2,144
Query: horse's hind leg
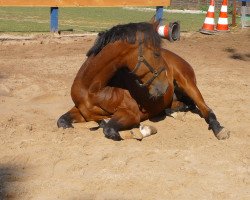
177,106
72,116
181,96
193,92
181,102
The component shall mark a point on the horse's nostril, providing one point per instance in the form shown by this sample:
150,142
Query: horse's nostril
160,92
157,91
160,88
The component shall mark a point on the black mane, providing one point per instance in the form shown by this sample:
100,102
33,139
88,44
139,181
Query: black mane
126,32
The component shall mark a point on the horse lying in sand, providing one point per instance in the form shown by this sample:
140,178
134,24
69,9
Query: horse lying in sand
128,78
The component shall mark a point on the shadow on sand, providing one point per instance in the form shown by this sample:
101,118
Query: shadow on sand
8,176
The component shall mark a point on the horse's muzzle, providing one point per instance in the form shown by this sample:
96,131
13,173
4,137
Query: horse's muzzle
158,88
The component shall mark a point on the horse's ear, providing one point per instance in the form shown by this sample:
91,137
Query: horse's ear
154,22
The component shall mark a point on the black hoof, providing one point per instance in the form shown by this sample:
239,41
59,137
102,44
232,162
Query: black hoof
111,133
64,123
101,124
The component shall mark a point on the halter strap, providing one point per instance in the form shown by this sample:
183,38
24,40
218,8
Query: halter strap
141,59
140,53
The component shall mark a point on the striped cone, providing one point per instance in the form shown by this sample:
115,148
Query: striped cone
222,24
209,24
171,32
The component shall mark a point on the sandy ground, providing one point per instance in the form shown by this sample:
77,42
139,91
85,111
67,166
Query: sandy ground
182,161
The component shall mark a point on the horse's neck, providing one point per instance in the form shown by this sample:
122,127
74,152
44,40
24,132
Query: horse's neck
101,68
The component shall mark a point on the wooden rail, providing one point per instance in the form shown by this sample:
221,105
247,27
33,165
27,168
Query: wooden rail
84,3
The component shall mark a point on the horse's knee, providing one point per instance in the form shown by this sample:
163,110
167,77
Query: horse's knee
127,118
134,120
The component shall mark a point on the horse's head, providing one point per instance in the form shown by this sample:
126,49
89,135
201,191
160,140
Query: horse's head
149,66
136,46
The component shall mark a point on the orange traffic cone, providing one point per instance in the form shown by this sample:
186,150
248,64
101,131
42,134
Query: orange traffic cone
223,18
208,26
170,32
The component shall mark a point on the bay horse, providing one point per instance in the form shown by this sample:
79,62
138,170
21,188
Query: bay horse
125,98
135,46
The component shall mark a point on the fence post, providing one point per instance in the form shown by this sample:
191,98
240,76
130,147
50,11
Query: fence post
159,13
243,13
54,19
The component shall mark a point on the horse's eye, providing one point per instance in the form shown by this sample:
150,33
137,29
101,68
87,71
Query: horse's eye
157,54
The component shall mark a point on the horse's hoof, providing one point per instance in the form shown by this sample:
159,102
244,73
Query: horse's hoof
131,134
169,111
111,133
147,130
223,134
62,123
137,135
174,115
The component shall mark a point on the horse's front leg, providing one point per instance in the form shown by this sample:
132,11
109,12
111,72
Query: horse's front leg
193,92
122,119
125,113
112,129
139,132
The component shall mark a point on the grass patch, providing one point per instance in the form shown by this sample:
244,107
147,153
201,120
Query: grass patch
36,19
